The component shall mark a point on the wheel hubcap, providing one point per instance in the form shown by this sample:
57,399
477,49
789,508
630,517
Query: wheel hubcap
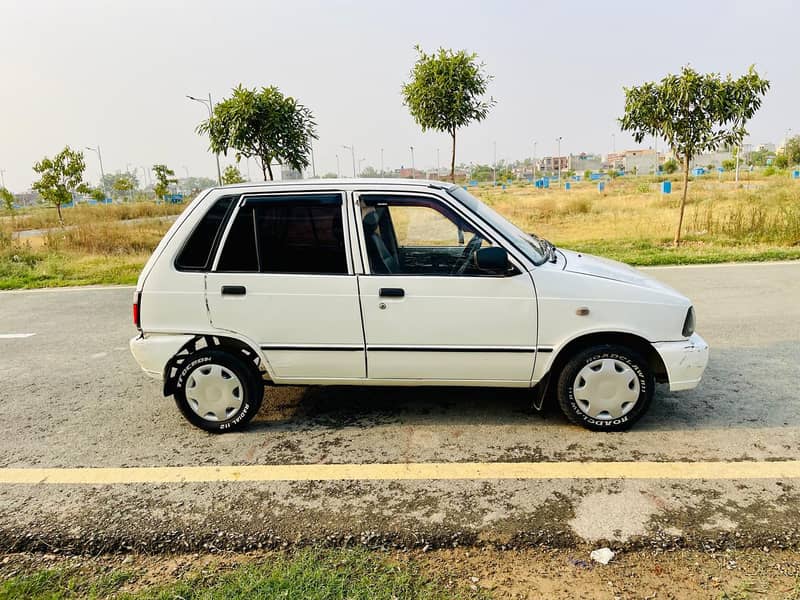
214,392
606,389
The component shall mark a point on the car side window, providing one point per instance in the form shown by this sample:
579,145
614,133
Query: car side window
196,254
408,235
280,234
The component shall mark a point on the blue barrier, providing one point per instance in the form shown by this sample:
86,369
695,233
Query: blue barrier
698,171
567,185
473,183
601,187
666,187
795,174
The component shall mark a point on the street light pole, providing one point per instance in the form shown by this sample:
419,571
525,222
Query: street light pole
352,155
210,106
338,168
313,165
437,163
360,160
534,159
100,159
413,168
494,164
558,158
3,178
381,162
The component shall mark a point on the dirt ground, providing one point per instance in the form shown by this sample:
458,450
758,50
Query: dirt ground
503,574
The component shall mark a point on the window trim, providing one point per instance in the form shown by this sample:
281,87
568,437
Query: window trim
218,236
280,195
479,226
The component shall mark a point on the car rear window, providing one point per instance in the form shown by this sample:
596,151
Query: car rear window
196,252
280,234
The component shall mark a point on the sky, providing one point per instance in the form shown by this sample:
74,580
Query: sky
116,74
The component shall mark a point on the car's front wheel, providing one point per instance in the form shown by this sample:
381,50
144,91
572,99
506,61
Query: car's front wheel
605,388
217,391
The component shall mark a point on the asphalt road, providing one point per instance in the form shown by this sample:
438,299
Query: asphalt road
72,396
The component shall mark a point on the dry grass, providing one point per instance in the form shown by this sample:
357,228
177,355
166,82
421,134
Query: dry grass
631,221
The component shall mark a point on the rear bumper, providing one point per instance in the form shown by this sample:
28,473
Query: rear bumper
685,361
152,352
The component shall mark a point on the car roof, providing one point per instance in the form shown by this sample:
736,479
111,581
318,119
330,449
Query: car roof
339,183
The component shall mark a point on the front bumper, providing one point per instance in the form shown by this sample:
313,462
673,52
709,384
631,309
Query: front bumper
685,361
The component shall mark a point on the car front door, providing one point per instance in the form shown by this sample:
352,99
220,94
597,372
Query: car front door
429,312
284,278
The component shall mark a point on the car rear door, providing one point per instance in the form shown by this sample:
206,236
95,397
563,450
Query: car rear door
284,278
428,315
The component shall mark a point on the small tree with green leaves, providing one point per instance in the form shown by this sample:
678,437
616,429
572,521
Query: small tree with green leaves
7,198
262,124
792,151
61,177
125,183
164,178
446,92
97,194
670,166
694,113
231,175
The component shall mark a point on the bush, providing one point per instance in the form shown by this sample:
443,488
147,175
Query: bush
670,166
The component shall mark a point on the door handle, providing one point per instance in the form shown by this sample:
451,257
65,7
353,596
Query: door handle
234,290
391,292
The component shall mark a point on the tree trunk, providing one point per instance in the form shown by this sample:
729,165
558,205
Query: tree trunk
60,218
677,240
453,157
269,169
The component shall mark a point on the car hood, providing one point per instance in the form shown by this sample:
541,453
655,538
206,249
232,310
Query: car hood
596,266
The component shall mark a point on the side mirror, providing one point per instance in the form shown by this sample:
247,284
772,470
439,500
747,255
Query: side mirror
493,259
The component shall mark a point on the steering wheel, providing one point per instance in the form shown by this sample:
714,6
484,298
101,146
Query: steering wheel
469,252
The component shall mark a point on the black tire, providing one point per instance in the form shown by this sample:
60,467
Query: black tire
251,389
567,379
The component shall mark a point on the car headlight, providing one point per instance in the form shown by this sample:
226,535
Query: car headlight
688,324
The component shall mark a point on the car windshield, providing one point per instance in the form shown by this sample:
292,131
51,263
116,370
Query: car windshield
531,246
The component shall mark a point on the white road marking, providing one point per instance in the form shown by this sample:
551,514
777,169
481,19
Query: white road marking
13,336
780,470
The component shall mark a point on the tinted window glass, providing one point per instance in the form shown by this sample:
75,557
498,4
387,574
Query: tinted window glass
197,250
239,253
301,235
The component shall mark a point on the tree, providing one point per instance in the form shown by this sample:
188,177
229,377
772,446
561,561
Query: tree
61,177
587,175
110,181
729,164
265,125
781,161
124,183
231,175
694,113
446,93
792,150
7,198
196,184
670,166
164,177
97,194
369,171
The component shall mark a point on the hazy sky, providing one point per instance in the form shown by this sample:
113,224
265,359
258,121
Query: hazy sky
116,73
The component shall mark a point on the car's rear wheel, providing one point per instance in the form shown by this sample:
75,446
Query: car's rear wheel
217,391
605,388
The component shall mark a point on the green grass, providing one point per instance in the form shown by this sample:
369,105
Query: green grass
303,575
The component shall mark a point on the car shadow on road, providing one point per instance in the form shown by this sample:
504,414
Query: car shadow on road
742,388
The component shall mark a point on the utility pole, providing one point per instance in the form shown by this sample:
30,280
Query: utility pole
338,168
360,160
381,162
413,168
437,163
3,177
209,104
533,160
313,166
558,158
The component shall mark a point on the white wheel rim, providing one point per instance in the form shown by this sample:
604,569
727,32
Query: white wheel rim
606,389
214,392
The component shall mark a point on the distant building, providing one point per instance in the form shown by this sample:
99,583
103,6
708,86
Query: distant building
639,161
585,162
551,163
27,199
408,173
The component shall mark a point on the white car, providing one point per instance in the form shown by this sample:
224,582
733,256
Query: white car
397,282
